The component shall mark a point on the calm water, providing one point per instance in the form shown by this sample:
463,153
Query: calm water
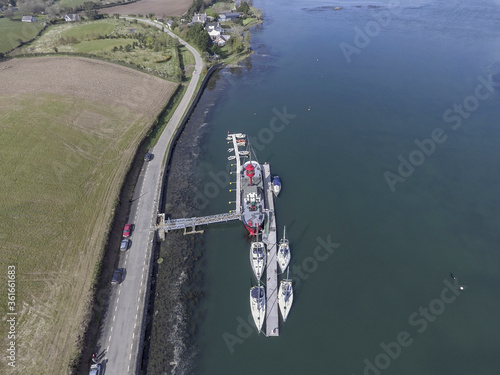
346,124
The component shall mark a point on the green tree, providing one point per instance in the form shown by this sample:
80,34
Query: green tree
92,14
198,35
243,8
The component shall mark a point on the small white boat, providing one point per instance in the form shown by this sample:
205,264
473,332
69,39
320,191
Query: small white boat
244,153
229,138
232,157
258,305
258,258
230,149
276,185
285,296
284,252
240,135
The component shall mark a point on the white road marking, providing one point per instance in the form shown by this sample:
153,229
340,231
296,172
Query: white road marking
111,329
109,338
114,316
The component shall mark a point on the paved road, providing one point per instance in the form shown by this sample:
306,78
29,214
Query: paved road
119,339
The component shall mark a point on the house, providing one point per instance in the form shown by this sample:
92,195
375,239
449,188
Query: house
212,26
29,19
214,29
214,34
229,16
200,18
170,23
221,40
71,17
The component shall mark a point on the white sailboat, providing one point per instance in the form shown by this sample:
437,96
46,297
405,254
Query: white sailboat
258,258
284,252
258,305
285,296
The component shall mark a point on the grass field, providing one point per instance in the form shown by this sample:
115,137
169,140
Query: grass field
64,152
13,31
94,46
89,29
120,32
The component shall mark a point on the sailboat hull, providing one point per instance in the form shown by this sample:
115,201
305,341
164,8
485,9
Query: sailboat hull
285,298
258,305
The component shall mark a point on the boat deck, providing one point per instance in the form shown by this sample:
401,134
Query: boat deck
238,175
269,238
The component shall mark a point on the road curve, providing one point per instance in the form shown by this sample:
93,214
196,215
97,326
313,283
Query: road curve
120,334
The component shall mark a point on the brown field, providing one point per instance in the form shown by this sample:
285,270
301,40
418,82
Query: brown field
69,129
161,8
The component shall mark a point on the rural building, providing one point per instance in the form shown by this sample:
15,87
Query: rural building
29,19
221,40
200,18
229,16
214,29
71,17
170,23
213,26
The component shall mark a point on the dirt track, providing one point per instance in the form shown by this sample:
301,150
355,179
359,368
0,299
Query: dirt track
161,8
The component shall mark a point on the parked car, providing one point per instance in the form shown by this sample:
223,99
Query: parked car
125,244
118,276
95,369
127,230
148,157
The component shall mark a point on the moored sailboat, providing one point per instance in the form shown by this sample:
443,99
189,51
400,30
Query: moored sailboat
285,296
258,305
258,258
284,254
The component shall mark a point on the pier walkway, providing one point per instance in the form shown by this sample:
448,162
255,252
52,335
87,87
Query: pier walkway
192,222
238,173
269,238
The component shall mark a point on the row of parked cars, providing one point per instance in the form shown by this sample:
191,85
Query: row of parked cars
119,273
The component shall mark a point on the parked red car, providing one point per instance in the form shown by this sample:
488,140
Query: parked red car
127,230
